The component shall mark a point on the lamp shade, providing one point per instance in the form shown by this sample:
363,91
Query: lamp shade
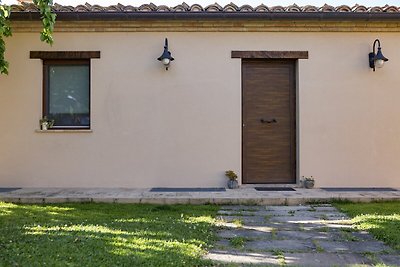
379,56
166,57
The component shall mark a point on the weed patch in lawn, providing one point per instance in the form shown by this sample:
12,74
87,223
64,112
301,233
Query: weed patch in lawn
348,236
280,256
105,234
267,218
238,222
318,247
324,229
237,242
312,209
323,217
274,232
382,219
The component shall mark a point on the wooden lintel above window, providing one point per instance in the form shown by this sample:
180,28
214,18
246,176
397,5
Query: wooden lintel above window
271,54
65,54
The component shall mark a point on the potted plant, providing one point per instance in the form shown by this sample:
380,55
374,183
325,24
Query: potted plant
45,123
308,182
232,179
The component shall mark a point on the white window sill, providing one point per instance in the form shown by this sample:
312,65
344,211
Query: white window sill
65,131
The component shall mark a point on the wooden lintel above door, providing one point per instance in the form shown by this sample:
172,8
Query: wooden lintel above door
270,54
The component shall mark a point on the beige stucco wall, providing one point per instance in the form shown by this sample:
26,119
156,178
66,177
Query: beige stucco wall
182,127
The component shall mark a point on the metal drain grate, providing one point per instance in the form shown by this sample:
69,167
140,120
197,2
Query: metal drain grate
274,189
8,189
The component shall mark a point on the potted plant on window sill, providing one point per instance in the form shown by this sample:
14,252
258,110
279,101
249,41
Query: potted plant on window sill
45,123
232,179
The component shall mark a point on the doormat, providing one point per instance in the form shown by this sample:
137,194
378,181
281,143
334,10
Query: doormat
274,189
359,189
187,189
8,189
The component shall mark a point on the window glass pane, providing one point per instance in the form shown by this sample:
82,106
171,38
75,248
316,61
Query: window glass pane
69,95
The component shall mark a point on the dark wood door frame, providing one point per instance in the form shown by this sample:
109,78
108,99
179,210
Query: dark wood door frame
290,56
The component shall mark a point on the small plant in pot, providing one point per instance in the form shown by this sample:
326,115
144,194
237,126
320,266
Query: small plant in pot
45,123
308,182
232,179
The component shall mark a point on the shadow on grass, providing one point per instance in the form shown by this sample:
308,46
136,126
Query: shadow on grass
104,234
385,228
382,219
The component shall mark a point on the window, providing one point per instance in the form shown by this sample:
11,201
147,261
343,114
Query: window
66,87
66,93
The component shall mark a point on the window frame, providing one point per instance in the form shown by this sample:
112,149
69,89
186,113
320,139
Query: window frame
46,88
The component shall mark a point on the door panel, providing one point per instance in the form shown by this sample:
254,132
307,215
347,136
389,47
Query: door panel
269,121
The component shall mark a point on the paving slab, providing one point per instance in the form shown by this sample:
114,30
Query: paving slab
325,259
281,225
322,214
311,235
280,245
252,208
264,228
324,208
287,208
249,220
298,219
236,212
243,257
306,235
357,247
390,260
245,233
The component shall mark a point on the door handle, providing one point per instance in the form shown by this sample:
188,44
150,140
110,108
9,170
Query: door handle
269,121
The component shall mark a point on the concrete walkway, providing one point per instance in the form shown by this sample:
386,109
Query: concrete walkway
310,235
244,195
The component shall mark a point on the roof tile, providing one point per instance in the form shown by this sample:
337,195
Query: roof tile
29,7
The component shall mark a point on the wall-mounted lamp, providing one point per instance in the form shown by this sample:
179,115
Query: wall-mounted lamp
166,58
376,60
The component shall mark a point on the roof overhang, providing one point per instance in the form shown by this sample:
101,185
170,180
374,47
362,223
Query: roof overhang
279,16
230,18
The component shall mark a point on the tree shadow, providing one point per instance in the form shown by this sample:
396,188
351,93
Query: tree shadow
104,234
385,228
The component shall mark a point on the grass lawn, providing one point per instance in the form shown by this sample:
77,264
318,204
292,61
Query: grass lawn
105,234
382,219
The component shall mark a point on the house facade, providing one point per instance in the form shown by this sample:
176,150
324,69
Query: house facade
273,93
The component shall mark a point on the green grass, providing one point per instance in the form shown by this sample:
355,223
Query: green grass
267,218
291,212
238,222
318,247
347,235
280,255
237,242
382,219
324,217
105,235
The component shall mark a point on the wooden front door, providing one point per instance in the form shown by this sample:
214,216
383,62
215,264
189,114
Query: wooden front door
269,121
